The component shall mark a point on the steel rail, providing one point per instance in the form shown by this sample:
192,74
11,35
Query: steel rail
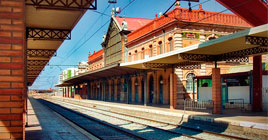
176,125
45,102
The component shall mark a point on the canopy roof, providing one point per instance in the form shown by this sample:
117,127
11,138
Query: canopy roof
48,24
248,42
109,71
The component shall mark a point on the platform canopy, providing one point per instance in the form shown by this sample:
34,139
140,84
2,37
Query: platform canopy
98,74
237,46
48,24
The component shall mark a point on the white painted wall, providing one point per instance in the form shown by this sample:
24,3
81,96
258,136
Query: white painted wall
265,92
239,92
205,93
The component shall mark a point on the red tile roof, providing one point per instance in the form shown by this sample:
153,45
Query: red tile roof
133,23
183,14
95,55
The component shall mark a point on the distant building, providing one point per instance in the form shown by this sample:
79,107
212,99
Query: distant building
95,60
67,74
82,67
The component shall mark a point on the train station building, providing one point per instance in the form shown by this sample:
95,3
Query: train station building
156,63
144,60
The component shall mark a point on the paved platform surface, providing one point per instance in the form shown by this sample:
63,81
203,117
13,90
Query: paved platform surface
44,124
243,119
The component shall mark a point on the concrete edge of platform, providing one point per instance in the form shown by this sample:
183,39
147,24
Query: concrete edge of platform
235,123
211,119
87,134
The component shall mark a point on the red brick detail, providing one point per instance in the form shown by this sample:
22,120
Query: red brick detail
11,117
4,85
17,47
5,46
11,40
12,28
216,90
10,53
257,84
4,110
11,15
4,72
17,85
11,3
4,98
5,9
11,66
17,59
17,72
10,91
5,34
12,75
4,59
17,34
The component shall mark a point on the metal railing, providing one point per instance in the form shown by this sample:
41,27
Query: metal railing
234,104
200,105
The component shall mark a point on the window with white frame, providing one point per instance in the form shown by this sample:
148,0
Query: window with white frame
190,82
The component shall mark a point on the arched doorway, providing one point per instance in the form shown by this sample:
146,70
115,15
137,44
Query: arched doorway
118,89
161,90
168,101
129,91
112,94
136,90
151,89
142,90
106,94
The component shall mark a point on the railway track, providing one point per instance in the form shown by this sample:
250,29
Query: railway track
99,129
189,132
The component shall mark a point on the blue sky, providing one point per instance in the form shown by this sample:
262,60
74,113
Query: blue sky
87,34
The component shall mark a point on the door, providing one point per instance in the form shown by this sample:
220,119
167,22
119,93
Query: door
224,94
142,91
129,91
161,90
136,91
151,89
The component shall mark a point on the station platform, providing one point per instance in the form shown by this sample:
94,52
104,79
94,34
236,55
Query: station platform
44,124
241,121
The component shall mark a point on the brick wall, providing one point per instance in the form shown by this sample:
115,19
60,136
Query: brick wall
12,69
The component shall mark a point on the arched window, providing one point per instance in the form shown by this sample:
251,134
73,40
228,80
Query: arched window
143,53
170,42
190,82
160,47
151,50
129,57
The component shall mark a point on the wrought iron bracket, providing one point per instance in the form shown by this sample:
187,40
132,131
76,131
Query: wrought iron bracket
188,65
34,68
156,65
256,40
64,4
196,57
48,34
36,62
33,72
236,56
44,53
